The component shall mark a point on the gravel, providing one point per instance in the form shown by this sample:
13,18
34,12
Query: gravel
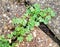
8,10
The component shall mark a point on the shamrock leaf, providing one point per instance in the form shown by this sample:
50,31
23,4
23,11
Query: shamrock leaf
42,14
16,20
10,35
29,37
22,32
27,29
14,33
20,39
37,8
47,18
17,28
37,24
53,13
31,24
49,9
40,19
23,22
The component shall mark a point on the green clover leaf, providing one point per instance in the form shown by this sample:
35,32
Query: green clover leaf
20,39
29,37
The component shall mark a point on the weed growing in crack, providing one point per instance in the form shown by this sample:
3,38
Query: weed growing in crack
33,17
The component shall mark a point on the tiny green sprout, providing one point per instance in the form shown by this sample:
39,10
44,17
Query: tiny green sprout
29,37
20,39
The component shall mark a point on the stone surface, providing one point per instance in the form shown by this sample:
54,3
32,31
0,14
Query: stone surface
8,10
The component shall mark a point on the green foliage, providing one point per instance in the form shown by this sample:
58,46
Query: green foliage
14,45
16,20
20,39
10,35
21,21
29,37
4,42
32,17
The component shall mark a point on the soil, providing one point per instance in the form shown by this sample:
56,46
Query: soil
40,40
8,10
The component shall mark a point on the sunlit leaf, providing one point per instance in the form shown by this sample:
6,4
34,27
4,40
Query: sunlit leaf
53,13
37,24
32,9
20,39
29,37
10,35
17,28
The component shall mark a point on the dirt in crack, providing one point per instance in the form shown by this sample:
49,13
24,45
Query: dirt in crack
49,33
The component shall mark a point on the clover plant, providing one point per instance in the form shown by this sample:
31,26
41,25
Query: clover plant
33,16
4,42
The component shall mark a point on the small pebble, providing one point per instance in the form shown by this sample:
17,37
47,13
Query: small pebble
22,43
50,44
34,34
49,22
39,40
1,22
2,19
4,15
10,27
8,7
41,45
10,21
59,28
8,30
16,6
9,40
37,0
28,45
8,18
57,31
5,27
